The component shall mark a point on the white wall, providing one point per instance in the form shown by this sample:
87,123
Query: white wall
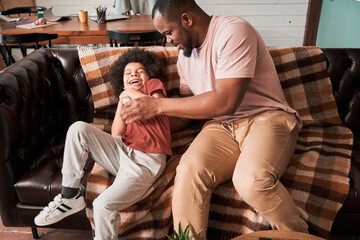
67,7
280,22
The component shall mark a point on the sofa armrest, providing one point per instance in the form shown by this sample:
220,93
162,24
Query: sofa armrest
19,85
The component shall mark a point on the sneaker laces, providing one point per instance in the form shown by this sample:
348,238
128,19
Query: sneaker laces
58,200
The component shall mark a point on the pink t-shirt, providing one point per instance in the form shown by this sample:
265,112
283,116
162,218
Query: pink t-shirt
151,135
234,49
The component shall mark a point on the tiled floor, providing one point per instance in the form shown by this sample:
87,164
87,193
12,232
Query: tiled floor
12,233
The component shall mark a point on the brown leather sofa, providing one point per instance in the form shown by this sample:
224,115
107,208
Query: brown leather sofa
344,72
41,95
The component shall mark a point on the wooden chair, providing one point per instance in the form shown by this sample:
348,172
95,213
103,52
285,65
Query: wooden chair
20,10
23,42
153,38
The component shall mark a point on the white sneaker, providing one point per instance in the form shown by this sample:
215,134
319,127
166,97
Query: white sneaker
59,208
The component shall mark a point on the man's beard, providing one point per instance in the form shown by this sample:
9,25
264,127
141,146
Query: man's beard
187,52
188,46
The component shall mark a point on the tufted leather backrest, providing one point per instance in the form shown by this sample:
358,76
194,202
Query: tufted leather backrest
72,87
344,72
40,97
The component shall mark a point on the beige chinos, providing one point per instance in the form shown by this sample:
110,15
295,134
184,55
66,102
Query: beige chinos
254,152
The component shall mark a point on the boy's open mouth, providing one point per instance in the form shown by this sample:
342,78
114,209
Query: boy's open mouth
135,82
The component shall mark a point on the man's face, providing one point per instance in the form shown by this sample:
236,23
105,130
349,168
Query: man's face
175,33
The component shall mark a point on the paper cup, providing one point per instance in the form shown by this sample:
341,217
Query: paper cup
83,16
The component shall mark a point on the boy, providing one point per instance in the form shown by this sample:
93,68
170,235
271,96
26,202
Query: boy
134,153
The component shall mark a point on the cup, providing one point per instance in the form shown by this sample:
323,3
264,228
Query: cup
40,14
84,26
83,16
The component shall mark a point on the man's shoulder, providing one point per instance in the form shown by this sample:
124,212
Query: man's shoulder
228,19
226,26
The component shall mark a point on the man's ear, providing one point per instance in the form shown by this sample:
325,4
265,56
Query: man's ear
187,19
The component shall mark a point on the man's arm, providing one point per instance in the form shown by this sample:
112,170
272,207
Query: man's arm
224,100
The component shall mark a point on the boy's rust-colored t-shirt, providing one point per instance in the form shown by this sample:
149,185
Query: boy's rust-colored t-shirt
151,135
234,49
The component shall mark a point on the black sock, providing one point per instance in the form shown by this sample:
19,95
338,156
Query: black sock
68,192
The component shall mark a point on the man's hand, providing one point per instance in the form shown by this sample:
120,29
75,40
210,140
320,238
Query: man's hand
141,108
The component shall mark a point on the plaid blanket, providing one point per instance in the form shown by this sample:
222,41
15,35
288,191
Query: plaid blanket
317,176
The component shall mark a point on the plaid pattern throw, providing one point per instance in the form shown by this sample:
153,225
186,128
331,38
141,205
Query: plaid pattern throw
317,176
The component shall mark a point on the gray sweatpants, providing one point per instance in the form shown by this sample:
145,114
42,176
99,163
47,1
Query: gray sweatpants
135,172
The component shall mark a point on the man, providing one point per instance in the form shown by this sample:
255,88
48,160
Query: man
224,63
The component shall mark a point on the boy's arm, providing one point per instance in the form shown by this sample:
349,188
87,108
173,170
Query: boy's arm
118,127
131,93
158,94
134,94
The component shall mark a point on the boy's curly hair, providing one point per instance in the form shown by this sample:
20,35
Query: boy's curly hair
152,64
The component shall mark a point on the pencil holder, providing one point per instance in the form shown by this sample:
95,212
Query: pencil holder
101,17
101,14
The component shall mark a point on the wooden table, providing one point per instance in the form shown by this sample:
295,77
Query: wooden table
73,32
277,235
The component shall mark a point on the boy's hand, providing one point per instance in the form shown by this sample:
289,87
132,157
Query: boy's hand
125,100
124,97
123,94
132,93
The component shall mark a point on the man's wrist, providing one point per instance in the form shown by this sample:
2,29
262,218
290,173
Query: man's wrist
160,106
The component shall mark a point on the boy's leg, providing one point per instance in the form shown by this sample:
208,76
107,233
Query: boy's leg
137,173
209,161
267,144
82,140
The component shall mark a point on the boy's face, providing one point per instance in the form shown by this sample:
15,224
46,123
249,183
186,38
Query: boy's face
135,76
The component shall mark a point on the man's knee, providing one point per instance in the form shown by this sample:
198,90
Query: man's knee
192,170
192,179
250,184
